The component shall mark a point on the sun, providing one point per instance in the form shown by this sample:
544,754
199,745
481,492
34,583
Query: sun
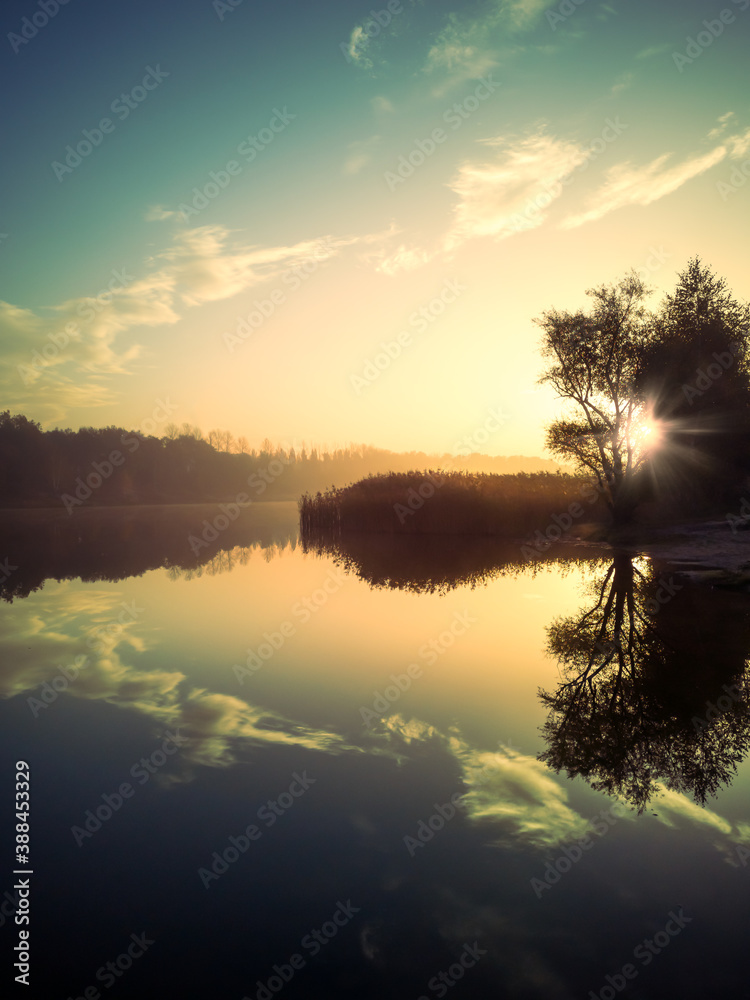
647,433
653,433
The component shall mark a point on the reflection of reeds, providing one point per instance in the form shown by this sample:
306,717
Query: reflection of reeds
460,503
430,564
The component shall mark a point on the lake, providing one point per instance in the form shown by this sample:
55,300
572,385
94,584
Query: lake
261,768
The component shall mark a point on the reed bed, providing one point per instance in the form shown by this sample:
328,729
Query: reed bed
447,503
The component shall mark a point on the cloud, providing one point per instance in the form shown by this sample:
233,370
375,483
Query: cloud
739,145
403,259
381,105
63,625
623,82
70,347
357,47
520,800
206,267
359,154
467,46
462,51
724,122
627,184
159,213
494,196
523,14
653,50
513,793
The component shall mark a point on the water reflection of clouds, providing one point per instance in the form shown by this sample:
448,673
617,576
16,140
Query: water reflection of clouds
513,796
521,802
513,793
40,637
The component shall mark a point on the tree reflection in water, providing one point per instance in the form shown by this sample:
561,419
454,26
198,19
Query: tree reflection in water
655,689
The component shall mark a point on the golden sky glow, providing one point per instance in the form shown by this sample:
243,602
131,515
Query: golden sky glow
343,233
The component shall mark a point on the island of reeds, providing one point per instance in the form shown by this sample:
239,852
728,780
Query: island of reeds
440,502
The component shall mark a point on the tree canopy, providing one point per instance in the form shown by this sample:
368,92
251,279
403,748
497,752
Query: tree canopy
664,392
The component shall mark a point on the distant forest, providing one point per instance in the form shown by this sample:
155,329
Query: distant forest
112,465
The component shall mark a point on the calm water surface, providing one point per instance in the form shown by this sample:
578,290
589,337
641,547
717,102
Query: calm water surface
266,776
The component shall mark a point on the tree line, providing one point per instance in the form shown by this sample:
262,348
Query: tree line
115,465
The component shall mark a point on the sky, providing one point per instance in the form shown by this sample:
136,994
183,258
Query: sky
336,222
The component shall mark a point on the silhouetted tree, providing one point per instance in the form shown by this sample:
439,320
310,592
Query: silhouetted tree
697,376
594,362
638,705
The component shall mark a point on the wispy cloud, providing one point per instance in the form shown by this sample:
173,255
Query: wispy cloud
739,144
653,50
623,82
207,267
75,345
724,122
359,154
357,48
159,213
403,258
467,47
381,105
494,195
523,14
629,184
